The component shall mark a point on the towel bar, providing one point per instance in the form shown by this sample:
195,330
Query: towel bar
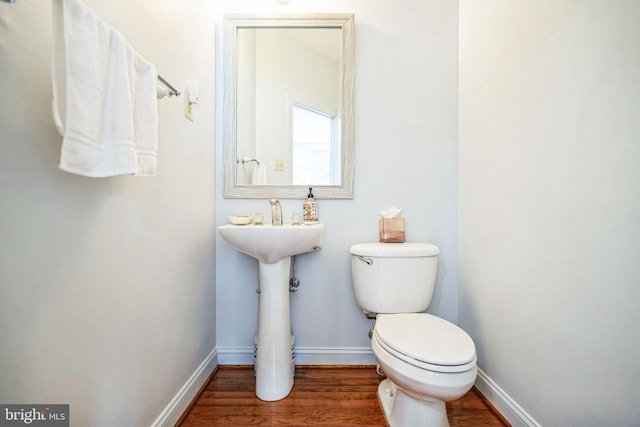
172,90
247,160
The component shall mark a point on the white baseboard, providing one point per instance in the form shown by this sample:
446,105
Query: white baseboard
304,356
335,356
508,407
174,410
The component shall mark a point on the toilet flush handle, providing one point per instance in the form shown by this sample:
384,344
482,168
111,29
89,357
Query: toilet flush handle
367,260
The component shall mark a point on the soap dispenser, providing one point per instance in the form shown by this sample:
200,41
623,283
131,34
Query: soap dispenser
310,209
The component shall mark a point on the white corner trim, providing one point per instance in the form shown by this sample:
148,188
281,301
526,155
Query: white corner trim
508,407
174,410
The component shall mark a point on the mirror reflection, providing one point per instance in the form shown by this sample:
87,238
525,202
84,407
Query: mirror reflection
288,105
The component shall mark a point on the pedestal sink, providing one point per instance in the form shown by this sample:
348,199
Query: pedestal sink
273,247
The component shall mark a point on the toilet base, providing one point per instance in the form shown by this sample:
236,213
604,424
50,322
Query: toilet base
402,410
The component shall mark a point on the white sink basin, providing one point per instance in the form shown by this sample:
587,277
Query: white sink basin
273,247
271,243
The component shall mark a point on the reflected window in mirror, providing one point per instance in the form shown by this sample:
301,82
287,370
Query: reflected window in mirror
316,147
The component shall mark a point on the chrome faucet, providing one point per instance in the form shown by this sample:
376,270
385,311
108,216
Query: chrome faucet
276,212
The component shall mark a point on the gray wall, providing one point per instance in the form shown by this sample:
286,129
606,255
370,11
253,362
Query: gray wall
107,287
550,204
406,153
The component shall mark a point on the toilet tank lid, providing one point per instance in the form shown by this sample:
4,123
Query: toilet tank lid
395,250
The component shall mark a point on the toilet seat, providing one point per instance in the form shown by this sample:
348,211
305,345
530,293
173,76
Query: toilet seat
426,341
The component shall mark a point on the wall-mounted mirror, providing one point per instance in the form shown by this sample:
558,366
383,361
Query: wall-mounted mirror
288,105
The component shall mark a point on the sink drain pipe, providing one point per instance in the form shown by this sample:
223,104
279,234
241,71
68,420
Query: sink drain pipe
294,282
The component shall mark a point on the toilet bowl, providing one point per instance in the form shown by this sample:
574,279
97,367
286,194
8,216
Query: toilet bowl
427,360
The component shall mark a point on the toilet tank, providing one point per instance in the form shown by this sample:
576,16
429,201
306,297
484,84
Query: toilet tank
394,277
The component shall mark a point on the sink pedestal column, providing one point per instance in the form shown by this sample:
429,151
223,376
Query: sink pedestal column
274,367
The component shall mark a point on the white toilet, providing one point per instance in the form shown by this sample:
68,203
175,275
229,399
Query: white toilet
427,360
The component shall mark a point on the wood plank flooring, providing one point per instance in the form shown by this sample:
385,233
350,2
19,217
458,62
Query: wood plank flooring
321,396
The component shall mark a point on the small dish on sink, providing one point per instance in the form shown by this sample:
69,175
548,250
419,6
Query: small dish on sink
239,220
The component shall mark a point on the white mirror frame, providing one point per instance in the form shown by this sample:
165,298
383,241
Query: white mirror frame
232,22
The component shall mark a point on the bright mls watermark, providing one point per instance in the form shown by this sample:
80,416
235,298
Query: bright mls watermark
34,415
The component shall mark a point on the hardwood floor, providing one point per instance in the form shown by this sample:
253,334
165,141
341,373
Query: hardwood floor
321,396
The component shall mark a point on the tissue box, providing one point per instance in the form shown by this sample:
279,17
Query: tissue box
391,230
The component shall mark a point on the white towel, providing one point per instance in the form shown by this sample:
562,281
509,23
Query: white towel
259,174
104,97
